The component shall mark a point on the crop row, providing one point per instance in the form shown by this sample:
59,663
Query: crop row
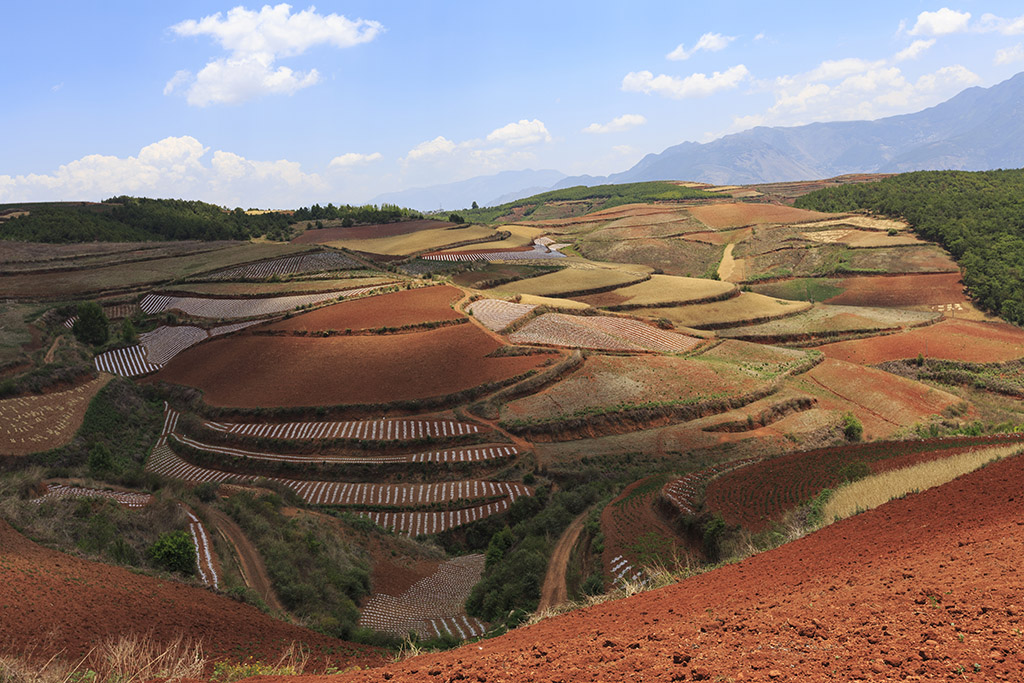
157,348
203,307
127,362
605,333
201,543
289,265
496,314
538,252
685,493
126,498
417,523
370,430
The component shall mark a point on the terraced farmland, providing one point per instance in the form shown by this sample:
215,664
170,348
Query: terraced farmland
370,430
975,342
29,424
157,348
394,310
128,499
662,290
200,307
603,333
747,308
572,281
538,252
290,265
686,493
826,320
496,314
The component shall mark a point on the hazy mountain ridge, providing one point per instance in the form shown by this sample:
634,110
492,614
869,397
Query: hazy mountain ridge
488,190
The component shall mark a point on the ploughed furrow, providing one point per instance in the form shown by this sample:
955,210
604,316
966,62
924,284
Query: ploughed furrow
433,606
684,493
425,523
128,499
402,495
289,265
204,307
165,342
204,557
495,314
473,454
127,362
538,252
365,430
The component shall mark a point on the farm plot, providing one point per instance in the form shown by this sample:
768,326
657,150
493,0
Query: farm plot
759,360
331,283
572,281
396,309
521,236
366,430
129,361
746,309
685,493
826,320
964,340
362,232
862,238
310,371
661,290
600,332
240,308
469,454
430,239
432,606
760,493
205,562
29,424
155,349
291,265
741,214
672,256
537,252
164,343
903,260
128,499
635,535
901,291
611,382
421,523
496,314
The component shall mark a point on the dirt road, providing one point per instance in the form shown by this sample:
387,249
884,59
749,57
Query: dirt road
554,591
254,573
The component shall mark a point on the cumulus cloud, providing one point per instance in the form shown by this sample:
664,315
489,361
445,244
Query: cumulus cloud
712,42
430,148
172,167
255,41
520,133
1008,27
1010,55
354,159
940,23
694,85
619,123
914,50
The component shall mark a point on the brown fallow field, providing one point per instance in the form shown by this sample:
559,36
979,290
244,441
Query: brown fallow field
407,307
964,340
741,214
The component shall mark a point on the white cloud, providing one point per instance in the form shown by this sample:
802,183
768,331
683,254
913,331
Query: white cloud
255,41
694,85
172,167
439,145
57,87
1008,27
940,23
520,133
712,42
619,123
1010,55
354,159
914,50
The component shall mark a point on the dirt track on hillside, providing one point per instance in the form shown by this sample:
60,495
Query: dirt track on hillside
554,591
926,587
254,572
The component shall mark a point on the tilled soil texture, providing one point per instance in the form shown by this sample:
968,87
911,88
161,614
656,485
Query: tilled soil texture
741,214
407,307
29,424
964,340
249,371
363,232
55,604
901,290
926,587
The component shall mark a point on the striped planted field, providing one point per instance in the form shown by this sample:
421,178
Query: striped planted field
431,607
290,265
537,252
29,424
128,499
686,493
202,307
369,430
155,349
127,362
206,561
496,314
603,333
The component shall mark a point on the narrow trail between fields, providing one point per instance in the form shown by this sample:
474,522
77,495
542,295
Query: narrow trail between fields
554,591
250,564
728,264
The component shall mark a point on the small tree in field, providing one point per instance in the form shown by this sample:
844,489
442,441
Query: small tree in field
174,552
91,326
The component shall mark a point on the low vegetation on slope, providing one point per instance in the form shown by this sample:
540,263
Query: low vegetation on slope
978,217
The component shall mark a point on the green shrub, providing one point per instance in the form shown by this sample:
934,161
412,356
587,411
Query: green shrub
174,552
853,430
92,325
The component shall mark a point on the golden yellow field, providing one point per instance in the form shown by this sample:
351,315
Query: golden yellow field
522,236
661,290
744,308
416,242
571,280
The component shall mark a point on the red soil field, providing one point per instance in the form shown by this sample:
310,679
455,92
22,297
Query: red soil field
362,232
741,214
406,307
52,603
925,587
901,290
247,371
473,252
964,340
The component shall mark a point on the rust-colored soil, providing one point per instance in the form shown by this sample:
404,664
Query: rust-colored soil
406,307
52,603
363,232
247,371
923,588
29,424
554,591
964,340
901,290
741,214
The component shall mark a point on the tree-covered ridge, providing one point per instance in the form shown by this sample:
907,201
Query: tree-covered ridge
368,214
138,219
605,196
977,216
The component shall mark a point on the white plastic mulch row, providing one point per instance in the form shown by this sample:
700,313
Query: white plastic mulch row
683,492
623,571
394,495
539,251
204,307
126,362
204,558
473,454
288,265
605,333
125,498
369,430
433,606
496,314
155,349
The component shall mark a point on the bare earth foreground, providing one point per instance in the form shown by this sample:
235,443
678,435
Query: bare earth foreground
926,587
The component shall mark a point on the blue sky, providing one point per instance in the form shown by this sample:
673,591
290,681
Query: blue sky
278,106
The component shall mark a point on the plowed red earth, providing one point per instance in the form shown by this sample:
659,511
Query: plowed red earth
742,214
55,604
975,342
407,307
927,587
248,371
901,290
363,232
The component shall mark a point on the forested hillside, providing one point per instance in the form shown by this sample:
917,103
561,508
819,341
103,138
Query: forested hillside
978,217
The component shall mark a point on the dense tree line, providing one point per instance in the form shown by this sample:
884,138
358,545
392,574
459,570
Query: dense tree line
351,215
977,216
138,219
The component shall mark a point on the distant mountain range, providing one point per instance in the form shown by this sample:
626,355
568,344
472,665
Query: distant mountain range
978,129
